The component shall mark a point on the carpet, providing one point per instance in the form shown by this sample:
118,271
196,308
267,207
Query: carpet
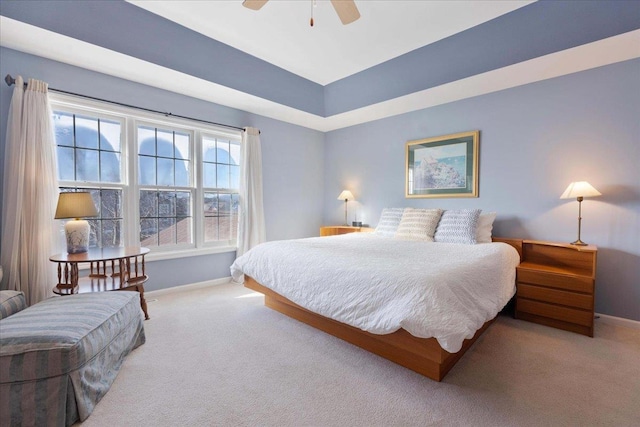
216,356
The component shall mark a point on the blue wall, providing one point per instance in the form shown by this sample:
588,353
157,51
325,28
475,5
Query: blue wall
292,156
534,141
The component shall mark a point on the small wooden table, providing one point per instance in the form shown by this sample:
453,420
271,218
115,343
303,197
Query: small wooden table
110,269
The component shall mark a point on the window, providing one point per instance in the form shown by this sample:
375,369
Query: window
167,184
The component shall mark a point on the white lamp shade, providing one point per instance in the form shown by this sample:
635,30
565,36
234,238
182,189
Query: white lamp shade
346,195
580,189
75,205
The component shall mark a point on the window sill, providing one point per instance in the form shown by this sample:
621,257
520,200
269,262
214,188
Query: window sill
160,256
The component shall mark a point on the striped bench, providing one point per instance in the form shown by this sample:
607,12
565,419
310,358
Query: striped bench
59,357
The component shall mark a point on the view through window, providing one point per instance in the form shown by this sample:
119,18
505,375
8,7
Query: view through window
165,184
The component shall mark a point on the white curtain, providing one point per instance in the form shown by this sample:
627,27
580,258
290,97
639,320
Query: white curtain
29,232
251,228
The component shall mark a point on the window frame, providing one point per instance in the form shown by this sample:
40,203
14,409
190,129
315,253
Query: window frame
130,119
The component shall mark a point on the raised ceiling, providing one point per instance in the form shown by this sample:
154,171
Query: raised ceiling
399,57
280,33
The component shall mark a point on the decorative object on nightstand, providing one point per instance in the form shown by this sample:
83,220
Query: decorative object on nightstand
346,196
75,206
556,285
579,190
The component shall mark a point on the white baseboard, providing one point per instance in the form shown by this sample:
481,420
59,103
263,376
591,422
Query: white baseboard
619,321
189,287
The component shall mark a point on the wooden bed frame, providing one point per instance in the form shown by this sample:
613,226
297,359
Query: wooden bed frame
423,355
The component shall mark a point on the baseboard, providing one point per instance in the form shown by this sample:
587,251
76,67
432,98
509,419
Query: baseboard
189,287
618,321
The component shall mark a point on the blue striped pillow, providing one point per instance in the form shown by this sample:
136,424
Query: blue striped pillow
458,226
389,222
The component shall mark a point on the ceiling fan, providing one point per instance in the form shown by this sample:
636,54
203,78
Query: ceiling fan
346,9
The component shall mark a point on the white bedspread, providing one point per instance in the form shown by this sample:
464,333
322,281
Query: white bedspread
442,290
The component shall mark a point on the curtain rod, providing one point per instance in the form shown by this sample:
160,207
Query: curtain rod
10,81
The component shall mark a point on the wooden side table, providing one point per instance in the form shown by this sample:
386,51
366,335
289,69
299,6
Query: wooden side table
333,230
110,269
556,285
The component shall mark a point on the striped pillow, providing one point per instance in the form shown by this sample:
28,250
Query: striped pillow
458,226
11,302
418,224
389,221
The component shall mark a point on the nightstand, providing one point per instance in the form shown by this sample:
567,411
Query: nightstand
556,285
334,230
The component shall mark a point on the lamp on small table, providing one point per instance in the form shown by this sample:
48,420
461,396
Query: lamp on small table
75,206
346,196
579,190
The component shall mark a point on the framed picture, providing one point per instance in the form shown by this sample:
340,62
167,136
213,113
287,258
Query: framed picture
444,166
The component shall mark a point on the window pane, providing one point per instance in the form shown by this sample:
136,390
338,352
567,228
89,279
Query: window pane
224,204
110,134
149,232
210,204
183,230
166,204
87,165
181,146
87,132
109,166
148,203
94,233
182,173
165,171
165,143
223,152
146,170
167,231
63,123
224,228
209,175
234,172
111,204
111,232
183,203
211,229
66,169
146,141
234,151
208,150
223,176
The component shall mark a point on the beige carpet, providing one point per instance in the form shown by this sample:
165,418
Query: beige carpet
218,357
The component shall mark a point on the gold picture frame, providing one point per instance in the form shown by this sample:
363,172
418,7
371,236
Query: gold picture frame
443,166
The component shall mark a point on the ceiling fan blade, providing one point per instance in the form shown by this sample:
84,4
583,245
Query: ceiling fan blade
346,10
254,4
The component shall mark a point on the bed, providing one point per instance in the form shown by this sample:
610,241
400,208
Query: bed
418,304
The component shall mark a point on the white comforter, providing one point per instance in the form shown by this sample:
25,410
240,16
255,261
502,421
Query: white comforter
442,290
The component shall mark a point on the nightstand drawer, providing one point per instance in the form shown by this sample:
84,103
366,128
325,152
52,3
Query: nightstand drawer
571,315
555,296
561,281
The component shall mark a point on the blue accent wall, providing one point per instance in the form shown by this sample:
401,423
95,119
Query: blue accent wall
292,156
534,140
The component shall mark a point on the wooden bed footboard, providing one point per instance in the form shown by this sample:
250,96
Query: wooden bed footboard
423,355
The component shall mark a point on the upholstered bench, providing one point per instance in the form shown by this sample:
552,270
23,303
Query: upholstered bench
59,357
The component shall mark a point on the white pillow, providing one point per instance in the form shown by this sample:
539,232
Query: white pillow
485,227
458,226
418,224
389,221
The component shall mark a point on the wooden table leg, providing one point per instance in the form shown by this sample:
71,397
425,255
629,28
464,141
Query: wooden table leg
143,302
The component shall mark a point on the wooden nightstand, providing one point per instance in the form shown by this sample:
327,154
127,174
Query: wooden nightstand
556,285
333,230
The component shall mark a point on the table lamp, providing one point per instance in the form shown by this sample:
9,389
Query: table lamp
346,196
579,190
75,206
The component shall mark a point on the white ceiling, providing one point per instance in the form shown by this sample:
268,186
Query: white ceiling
280,34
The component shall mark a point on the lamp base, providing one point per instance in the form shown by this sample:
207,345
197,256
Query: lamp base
579,243
77,232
